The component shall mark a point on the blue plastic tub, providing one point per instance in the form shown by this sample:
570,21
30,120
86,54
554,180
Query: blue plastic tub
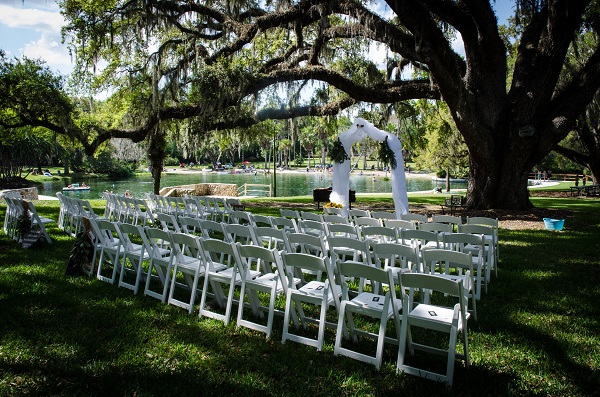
554,224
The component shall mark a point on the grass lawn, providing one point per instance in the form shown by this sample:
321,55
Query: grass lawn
538,330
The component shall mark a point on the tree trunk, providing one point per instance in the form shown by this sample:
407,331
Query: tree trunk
157,154
500,184
447,179
594,167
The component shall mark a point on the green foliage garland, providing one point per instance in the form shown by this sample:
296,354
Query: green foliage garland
338,153
81,254
23,225
386,155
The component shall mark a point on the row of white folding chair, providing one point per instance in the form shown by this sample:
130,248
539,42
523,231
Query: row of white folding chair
382,306
491,234
452,320
14,211
128,209
193,257
325,293
377,234
71,212
125,248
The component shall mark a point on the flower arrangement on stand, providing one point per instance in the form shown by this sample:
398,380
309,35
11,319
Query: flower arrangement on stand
332,205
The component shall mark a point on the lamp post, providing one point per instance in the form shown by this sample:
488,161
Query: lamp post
274,169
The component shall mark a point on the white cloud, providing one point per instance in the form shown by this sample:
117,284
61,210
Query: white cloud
51,50
39,20
35,33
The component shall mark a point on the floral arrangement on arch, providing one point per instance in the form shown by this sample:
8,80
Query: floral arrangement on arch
338,153
332,205
386,154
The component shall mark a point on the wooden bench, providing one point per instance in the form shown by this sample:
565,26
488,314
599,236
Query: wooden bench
454,203
589,190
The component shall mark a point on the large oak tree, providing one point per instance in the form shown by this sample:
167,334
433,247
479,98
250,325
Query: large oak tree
212,63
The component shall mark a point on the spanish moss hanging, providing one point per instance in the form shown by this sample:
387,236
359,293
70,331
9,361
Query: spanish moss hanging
338,153
386,155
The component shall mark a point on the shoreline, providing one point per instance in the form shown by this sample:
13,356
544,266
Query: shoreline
376,173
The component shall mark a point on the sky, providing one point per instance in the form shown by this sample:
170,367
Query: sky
32,28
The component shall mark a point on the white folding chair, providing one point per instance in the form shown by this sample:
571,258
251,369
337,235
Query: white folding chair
289,225
39,221
448,319
436,227
382,215
272,282
419,238
307,244
364,221
330,218
312,228
271,238
455,266
493,223
161,262
311,216
136,250
260,221
342,230
168,222
345,249
236,233
382,307
416,218
399,224
190,225
475,245
378,234
448,219
490,246
399,258
290,214
333,211
216,253
240,217
110,251
193,207
353,214
188,269
320,293
212,229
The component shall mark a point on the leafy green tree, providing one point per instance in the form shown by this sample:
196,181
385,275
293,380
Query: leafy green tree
445,149
285,145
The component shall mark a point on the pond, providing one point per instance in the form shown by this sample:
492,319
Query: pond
288,183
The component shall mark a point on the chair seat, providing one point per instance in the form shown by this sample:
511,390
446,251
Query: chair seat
228,273
370,302
315,288
267,281
442,316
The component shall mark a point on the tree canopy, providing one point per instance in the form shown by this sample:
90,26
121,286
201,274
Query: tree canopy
219,64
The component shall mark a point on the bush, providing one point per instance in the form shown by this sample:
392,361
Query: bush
171,161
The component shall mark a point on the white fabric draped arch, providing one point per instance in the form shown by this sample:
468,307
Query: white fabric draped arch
341,171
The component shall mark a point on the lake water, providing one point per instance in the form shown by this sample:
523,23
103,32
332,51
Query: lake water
288,184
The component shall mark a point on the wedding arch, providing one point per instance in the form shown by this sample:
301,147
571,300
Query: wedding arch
341,171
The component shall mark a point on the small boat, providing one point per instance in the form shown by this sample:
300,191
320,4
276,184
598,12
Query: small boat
75,187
